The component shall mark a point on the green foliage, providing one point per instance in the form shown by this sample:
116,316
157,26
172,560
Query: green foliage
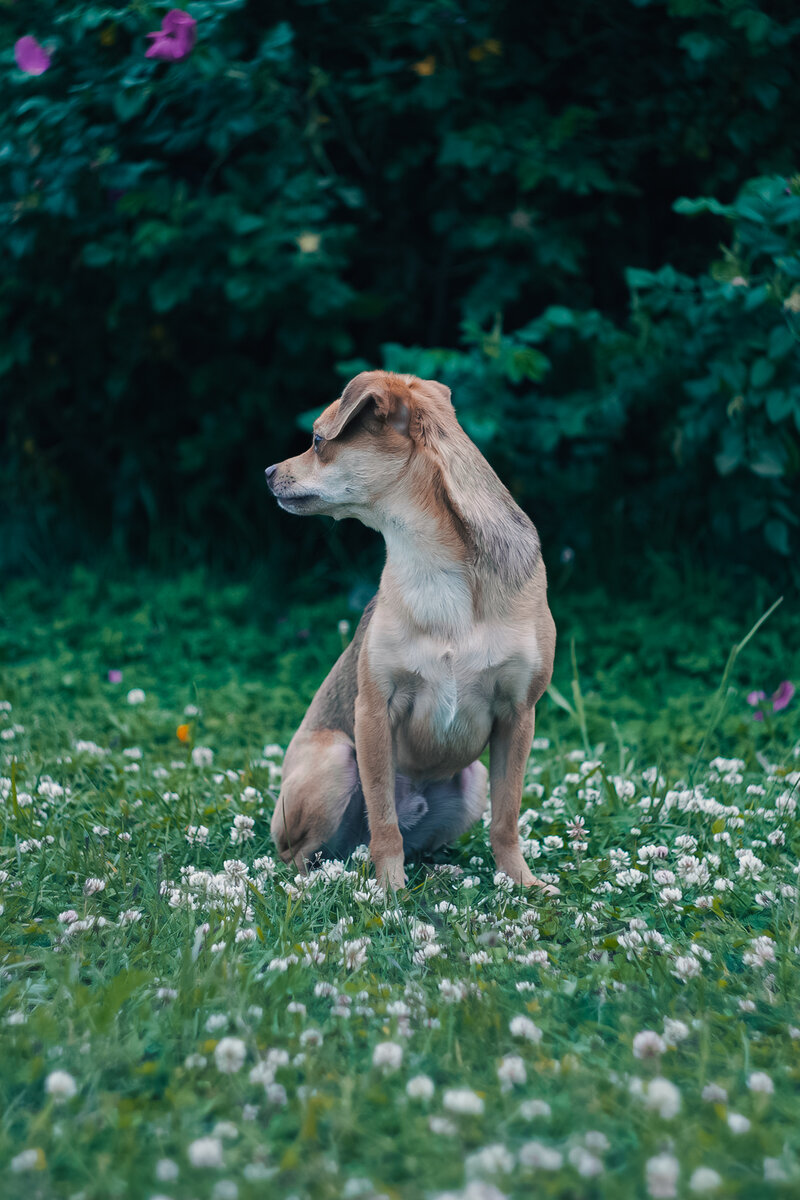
695,405
190,248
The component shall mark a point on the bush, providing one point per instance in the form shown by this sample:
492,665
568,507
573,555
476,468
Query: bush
691,412
191,247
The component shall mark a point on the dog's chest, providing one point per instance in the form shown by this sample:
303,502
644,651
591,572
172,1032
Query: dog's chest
452,688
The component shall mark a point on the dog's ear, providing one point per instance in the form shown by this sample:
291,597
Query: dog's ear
431,418
377,386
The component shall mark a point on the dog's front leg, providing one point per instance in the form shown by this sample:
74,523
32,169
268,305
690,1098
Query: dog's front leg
375,758
509,747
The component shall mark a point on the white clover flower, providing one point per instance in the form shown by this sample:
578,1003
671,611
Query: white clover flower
503,881
773,1171
632,877
662,1176
675,1031
166,1170
540,1157
225,1129
529,1110
229,1055
61,1086
92,886
387,1056
523,1027
759,1081
136,696
704,1179
420,1087
451,991
225,1189
714,1094
202,756
761,952
664,1097
686,967
311,1037
737,1123
462,1101
648,1044
511,1071
489,1160
584,1162
205,1152
242,830
354,953
27,1160
443,1127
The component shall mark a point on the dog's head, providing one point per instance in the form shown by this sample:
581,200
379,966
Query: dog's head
362,445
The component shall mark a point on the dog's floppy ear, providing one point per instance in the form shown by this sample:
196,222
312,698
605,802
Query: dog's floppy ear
431,419
378,386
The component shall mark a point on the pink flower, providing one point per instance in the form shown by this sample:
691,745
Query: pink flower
115,675
30,56
175,40
780,699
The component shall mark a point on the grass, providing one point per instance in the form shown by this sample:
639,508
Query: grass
271,1027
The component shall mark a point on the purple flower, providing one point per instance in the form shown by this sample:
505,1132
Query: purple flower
30,56
175,40
115,675
779,699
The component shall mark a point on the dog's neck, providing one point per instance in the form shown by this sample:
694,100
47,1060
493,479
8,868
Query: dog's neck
426,573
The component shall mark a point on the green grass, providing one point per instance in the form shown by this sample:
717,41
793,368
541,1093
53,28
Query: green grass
134,1009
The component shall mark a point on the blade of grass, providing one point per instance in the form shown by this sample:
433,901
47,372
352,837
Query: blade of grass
722,693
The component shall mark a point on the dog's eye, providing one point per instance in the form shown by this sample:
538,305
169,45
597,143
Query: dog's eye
317,442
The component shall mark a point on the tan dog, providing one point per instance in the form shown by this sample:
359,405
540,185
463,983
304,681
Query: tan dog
450,655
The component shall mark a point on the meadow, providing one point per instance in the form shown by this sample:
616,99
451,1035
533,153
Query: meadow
182,1016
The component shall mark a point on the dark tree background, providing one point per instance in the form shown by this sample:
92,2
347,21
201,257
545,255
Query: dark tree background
583,217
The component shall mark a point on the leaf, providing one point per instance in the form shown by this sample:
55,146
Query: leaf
305,420
761,372
244,223
95,254
636,278
698,46
129,103
776,535
769,463
557,697
782,340
276,45
691,208
779,404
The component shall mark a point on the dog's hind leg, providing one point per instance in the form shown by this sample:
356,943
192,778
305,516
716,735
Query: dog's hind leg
320,799
452,806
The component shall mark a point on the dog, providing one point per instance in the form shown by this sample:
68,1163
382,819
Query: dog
450,655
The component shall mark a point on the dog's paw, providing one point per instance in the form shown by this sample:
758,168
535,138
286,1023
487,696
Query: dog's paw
518,870
548,888
390,873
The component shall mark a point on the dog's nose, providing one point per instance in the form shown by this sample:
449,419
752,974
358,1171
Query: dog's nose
270,471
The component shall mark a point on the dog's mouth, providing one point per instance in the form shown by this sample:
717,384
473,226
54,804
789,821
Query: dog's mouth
298,504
